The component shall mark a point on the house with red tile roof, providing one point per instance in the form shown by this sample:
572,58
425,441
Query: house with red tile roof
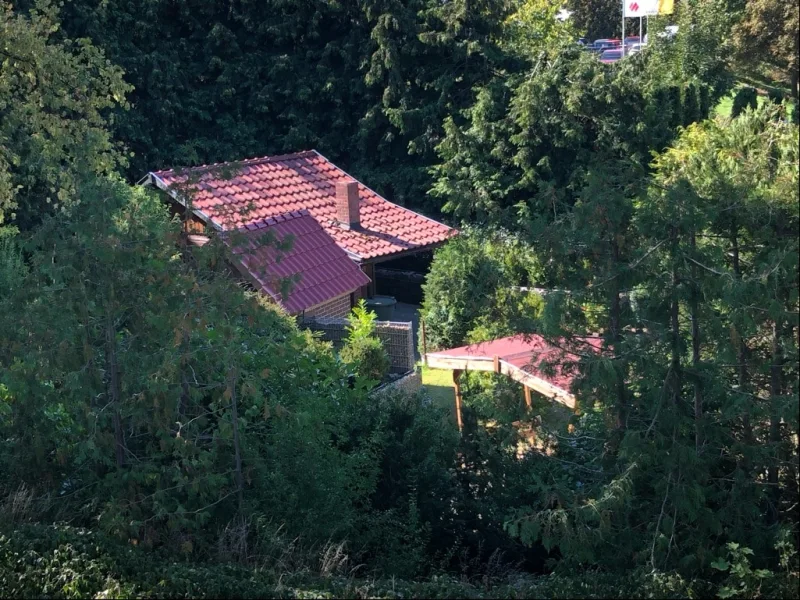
284,194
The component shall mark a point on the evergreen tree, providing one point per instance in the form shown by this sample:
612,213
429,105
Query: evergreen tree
54,124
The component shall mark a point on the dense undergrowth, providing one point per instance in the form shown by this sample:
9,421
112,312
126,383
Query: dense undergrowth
166,432
67,562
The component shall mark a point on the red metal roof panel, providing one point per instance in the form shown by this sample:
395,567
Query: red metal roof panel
552,361
322,269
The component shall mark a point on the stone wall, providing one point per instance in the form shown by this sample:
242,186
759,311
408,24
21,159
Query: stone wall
397,338
410,383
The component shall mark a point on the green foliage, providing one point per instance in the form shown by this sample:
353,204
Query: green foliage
743,581
55,98
368,357
411,516
692,112
68,562
366,82
597,18
193,426
746,97
709,241
158,396
471,291
361,322
521,157
534,27
766,38
362,348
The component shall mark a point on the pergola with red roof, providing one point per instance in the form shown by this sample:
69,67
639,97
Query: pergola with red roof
548,368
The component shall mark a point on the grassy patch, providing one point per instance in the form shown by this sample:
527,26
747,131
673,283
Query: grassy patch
725,105
723,108
439,385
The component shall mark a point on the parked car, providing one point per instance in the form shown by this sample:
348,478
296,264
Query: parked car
611,56
634,48
632,39
607,43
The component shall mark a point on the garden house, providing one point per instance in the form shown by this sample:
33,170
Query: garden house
329,217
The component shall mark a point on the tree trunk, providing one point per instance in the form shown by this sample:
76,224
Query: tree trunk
615,330
236,447
698,385
775,391
184,399
113,391
675,362
742,350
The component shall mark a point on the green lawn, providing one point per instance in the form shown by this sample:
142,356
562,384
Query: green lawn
725,105
723,109
439,385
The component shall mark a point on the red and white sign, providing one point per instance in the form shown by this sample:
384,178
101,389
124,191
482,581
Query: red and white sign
641,8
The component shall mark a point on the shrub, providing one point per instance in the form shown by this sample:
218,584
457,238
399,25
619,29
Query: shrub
675,105
692,111
470,290
775,96
705,101
368,358
362,349
746,96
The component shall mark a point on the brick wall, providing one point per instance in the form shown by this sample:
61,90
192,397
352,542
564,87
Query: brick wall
338,307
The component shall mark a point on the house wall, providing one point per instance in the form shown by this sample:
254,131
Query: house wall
338,307
195,224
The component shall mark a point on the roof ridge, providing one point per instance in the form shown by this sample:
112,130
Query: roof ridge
245,162
326,159
279,218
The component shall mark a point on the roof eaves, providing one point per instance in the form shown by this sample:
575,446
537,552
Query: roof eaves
160,184
379,258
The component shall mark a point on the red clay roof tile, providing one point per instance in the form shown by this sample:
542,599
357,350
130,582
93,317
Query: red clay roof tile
270,186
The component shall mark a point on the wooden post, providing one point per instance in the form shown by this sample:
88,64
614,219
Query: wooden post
424,343
496,363
457,389
527,396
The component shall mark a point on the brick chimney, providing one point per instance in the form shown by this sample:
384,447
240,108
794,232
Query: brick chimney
347,204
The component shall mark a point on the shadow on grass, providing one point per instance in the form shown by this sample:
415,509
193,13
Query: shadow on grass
438,383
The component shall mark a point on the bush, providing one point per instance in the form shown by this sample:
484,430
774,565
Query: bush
745,97
470,291
705,101
692,111
59,561
675,105
776,96
362,349
367,357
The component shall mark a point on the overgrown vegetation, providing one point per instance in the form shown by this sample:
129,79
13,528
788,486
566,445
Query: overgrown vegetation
362,349
164,432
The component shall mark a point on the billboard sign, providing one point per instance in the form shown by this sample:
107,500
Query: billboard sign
648,8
